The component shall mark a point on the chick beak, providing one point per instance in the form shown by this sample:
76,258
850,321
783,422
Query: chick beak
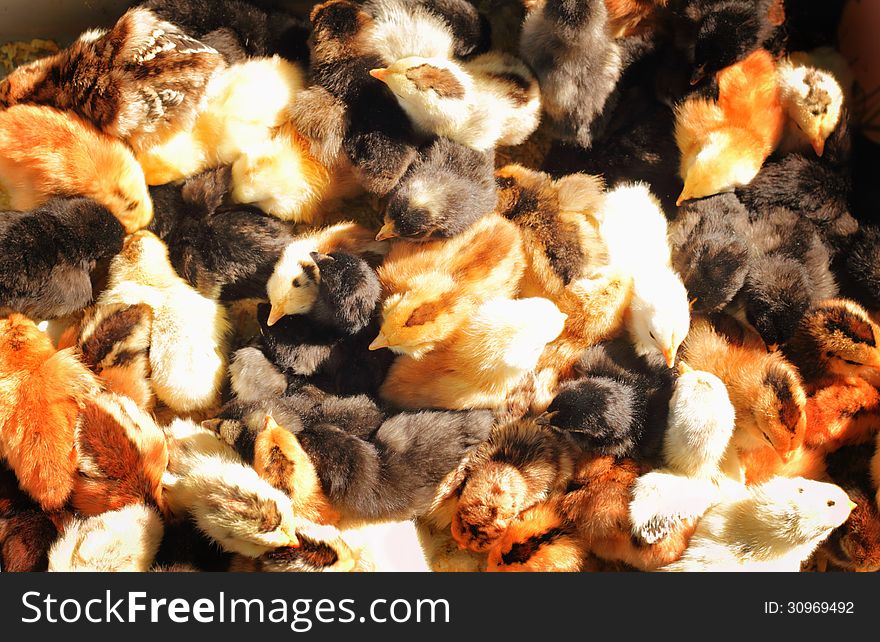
852,505
684,368
294,540
682,197
772,347
818,146
698,75
669,355
379,74
387,232
379,342
275,315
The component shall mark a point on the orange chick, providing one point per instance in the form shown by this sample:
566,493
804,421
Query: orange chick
723,144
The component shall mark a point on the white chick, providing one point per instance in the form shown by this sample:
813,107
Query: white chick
401,28
491,100
293,285
189,331
123,540
387,547
773,526
634,229
699,428
813,100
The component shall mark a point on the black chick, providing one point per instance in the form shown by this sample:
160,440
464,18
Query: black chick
328,346
723,32
225,251
379,139
48,254
620,403
812,24
26,532
710,250
184,544
860,272
443,192
814,187
393,473
257,32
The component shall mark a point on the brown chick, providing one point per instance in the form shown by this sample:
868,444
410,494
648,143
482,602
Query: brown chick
724,143
431,288
479,364
45,153
764,388
632,17
520,465
41,396
140,81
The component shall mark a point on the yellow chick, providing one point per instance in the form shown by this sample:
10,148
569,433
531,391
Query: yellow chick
431,288
45,153
813,100
479,364
188,337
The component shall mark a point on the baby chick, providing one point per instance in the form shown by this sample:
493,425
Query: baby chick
26,532
774,526
189,331
480,363
141,81
631,17
430,288
48,153
658,317
49,253
724,143
123,540
700,426
41,402
765,390
293,286
577,64
520,465
446,189
861,273
228,251
618,404
813,100
122,456
490,100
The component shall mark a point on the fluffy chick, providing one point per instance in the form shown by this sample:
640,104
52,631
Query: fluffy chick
724,143
140,81
478,365
42,398
48,255
774,526
123,540
189,331
293,285
520,465
813,100
490,100
225,250
431,288
765,389
577,64
861,272
658,317
618,404
700,426
26,532
446,189
48,153
631,17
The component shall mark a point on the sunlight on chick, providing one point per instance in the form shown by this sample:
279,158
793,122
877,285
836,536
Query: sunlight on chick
813,100
658,318
478,365
723,144
774,526
293,286
44,152
490,100
189,331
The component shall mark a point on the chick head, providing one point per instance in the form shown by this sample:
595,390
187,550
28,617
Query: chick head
856,544
701,423
723,38
803,509
776,294
839,335
659,315
22,343
778,417
432,91
21,82
124,190
348,291
415,322
813,100
293,286
727,159
144,259
414,212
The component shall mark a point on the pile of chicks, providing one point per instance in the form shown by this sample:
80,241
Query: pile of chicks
654,352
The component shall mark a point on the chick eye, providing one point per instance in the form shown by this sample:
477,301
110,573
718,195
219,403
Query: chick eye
830,503
767,437
852,363
801,491
296,283
653,338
